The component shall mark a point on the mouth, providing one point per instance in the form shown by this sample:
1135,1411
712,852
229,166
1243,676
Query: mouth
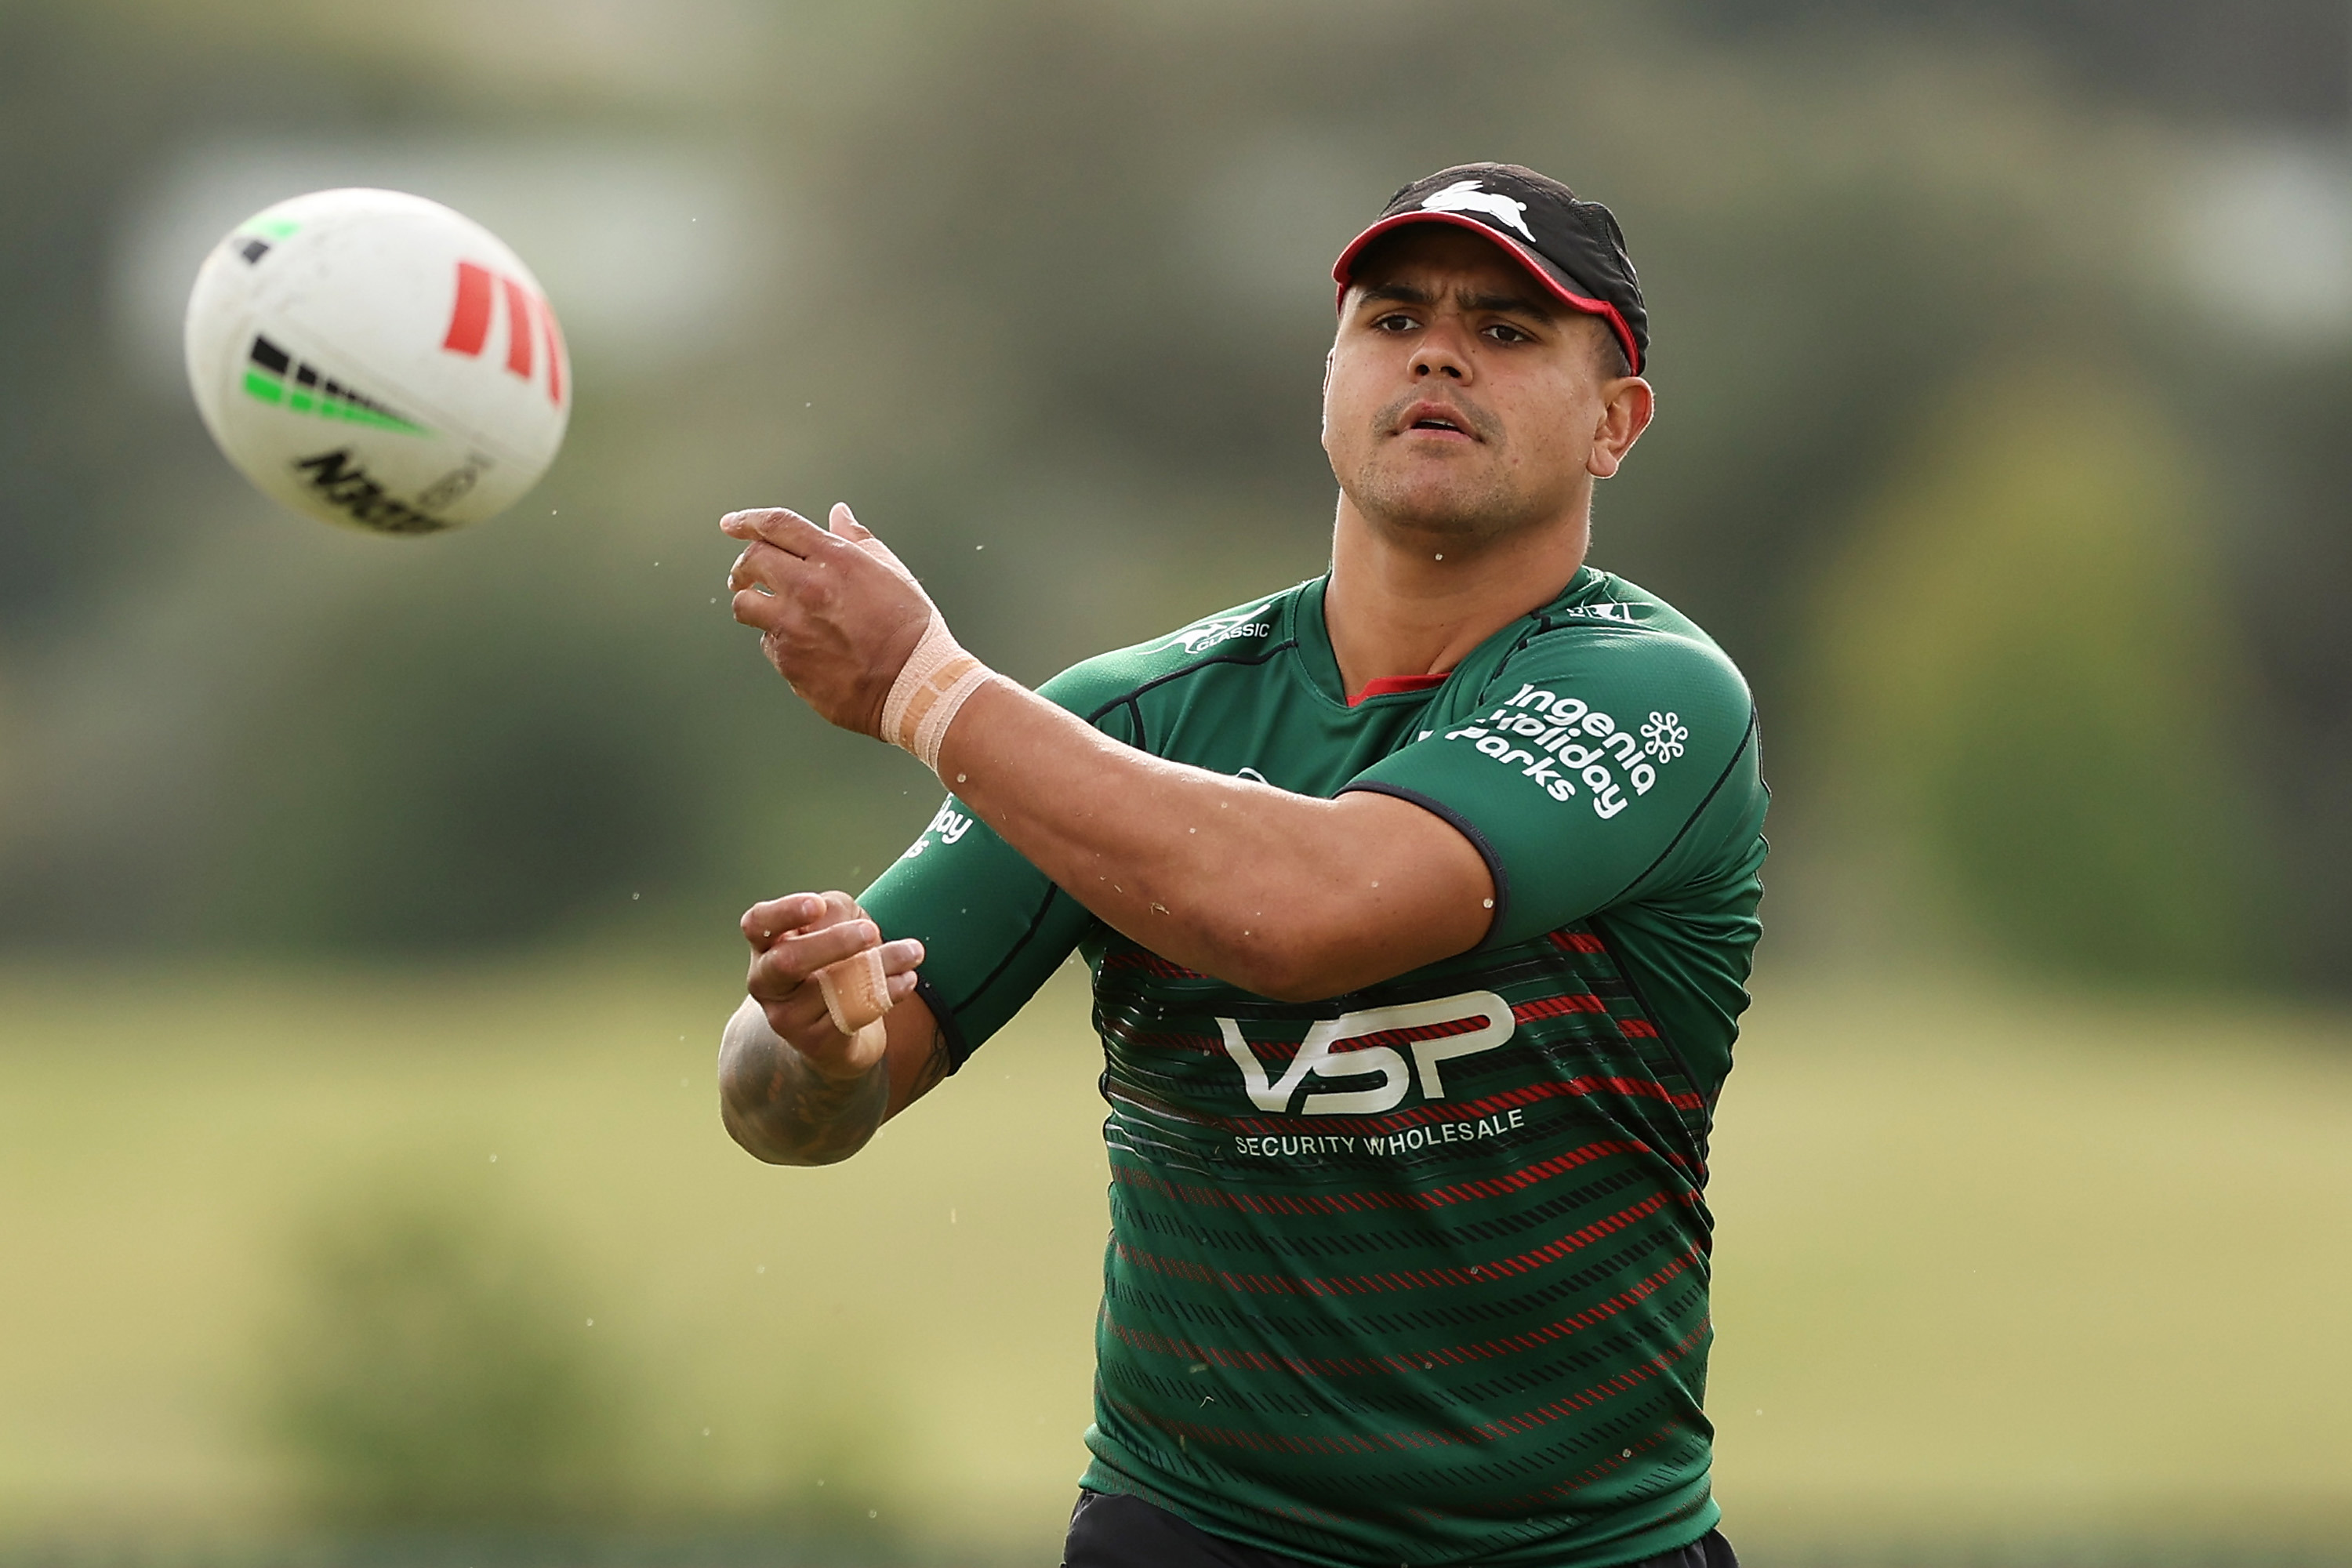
1438,419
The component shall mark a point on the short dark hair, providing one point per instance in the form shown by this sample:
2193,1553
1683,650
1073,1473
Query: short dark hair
1614,365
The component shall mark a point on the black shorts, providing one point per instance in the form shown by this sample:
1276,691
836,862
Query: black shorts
1112,1532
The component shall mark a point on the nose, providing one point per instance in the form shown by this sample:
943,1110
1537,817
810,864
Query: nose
1439,354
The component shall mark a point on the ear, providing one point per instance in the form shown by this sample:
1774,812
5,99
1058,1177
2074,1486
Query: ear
1627,406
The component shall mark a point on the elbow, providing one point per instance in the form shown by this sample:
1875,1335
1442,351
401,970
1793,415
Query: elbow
746,1137
753,1069
1303,965
746,1073
754,1139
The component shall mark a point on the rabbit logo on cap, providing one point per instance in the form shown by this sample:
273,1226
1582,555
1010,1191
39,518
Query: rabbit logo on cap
1465,196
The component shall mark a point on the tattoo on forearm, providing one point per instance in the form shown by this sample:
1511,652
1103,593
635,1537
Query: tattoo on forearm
937,1065
826,1119
795,1115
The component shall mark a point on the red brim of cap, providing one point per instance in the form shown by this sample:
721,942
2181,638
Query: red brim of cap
1544,271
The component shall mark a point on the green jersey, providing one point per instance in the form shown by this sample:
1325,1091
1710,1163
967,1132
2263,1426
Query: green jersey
1418,1274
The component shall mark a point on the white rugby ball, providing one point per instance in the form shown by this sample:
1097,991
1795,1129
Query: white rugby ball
375,360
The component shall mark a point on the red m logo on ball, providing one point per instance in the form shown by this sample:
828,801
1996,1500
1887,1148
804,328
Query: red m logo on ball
479,291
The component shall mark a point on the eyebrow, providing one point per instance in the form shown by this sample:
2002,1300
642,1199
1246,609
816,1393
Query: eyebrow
1510,304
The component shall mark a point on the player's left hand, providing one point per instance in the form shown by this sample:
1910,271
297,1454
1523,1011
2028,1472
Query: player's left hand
836,611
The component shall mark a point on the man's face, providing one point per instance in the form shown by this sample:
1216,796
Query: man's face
1463,400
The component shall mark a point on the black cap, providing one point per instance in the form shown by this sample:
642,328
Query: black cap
1574,246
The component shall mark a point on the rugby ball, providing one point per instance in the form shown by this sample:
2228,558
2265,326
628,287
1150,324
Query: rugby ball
375,360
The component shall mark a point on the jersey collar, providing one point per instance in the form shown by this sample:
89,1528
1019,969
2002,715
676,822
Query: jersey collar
1313,635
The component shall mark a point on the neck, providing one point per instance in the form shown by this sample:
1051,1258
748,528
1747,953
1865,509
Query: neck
1408,602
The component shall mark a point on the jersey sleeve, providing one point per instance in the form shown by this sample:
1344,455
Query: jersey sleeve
992,926
1586,773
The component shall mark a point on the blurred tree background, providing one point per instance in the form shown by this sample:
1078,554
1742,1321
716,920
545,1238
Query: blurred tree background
1041,287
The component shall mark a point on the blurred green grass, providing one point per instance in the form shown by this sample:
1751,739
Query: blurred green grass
1992,1264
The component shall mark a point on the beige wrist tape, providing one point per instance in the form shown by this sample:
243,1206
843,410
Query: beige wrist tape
937,679
855,991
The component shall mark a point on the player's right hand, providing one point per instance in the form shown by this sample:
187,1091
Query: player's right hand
793,937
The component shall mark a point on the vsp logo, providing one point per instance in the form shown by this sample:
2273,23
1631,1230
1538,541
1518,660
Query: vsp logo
479,290
1319,1055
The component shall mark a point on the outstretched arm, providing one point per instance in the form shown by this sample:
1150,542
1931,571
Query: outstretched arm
1282,894
792,1089
1285,895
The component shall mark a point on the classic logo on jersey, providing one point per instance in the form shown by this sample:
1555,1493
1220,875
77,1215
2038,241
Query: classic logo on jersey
1320,1055
1606,610
1468,196
947,826
1231,626
1556,741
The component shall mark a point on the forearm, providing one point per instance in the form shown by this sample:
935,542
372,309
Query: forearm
1282,894
781,1109
1279,893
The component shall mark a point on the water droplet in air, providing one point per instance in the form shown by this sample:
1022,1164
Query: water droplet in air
873,1513
592,1322
706,1431
1486,903
762,1269
1626,1454
494,1159
634,897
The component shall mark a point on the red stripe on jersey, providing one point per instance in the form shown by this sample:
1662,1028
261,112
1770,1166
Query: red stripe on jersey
1419,1032
1503,1427
1437,1110
1554,1007
1451,1355
1405,1279
1378,1197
